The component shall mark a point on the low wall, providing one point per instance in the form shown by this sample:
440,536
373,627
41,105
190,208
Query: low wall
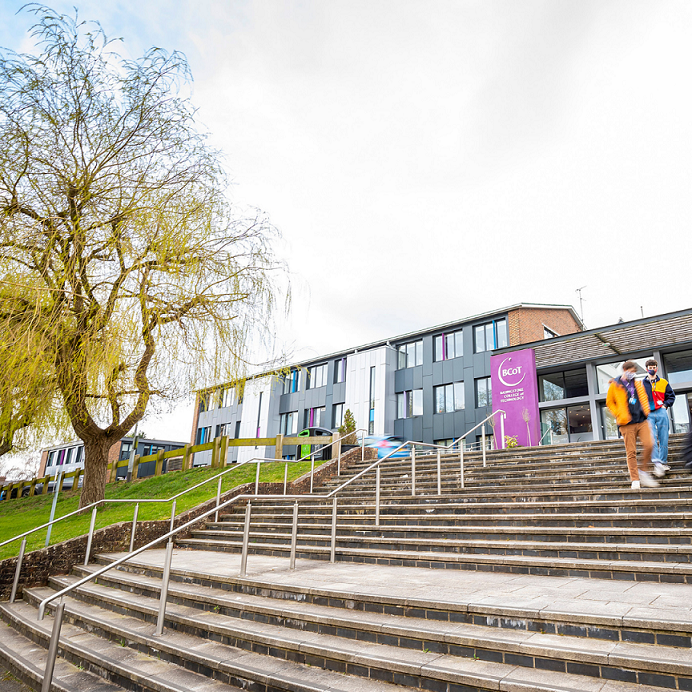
39,565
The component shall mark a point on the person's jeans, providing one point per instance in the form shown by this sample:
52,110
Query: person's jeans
660,426
630,433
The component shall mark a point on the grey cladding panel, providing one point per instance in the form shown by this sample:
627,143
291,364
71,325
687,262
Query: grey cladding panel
438,374
458,366
438,427
417,378
339,393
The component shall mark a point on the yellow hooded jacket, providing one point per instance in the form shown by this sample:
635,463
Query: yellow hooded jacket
617,401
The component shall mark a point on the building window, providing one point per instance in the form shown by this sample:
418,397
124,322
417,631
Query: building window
79,458
571,424
409,404
223,430
484,395
204,402
490,336
549,333
125,449
51,458
228,397
679,367
288,423
371,414
608,371
337,416
410,354
339,371
314,417
237,430
449,346
317,376
292,382
203,436
449,397
563,385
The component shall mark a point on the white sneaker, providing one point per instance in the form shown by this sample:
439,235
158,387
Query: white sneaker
647,480
636,485
660,470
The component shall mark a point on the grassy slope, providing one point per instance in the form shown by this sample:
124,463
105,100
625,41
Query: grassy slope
20,515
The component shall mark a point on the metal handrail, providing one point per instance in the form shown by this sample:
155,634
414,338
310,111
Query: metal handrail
549,430
55,635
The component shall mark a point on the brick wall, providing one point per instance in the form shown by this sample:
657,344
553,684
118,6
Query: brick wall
526,324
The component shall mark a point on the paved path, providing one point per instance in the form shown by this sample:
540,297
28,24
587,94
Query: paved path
593,597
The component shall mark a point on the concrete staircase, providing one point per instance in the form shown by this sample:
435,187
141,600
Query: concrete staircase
552,575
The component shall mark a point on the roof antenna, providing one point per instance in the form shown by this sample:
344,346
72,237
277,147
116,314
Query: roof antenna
641,307
581,303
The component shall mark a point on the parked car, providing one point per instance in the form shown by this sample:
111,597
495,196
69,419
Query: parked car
385,444
322,452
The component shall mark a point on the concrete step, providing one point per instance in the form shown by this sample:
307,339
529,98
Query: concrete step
385,634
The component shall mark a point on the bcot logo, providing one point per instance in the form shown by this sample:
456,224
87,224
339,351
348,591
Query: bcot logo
510,375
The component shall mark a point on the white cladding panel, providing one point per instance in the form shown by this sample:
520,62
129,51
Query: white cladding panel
358,388
252,414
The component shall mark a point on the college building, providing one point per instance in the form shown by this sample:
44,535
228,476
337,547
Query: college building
432,385
561,385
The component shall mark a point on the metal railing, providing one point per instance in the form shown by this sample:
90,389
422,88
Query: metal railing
376,465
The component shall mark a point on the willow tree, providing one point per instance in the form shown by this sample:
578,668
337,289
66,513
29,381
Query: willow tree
119,251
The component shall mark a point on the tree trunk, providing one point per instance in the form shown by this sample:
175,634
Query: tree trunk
95,469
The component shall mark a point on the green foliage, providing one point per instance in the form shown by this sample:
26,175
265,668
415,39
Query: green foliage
22,514
511,441
348,429
124,273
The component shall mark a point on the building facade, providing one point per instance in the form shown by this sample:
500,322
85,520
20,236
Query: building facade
70,456
572,374
432,385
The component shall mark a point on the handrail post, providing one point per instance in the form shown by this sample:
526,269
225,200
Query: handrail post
377,497
218,498
134,528
338,460
56,491
294,536
246,540
483,442
285,477
362,448
17,572
502,429
413,470
91,536
53,648
164,588
439,472
312,470
257,478
461,461
173,514
332,556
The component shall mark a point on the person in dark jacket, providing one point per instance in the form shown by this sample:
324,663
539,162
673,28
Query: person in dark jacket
661,397
628,402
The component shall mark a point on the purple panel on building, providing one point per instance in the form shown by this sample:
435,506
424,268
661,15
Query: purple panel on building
515,391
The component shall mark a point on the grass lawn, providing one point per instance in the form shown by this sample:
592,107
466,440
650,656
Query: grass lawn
23,514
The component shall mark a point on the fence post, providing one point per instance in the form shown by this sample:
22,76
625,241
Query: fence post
338,455
294,536
377,497
279,449
285,477
215,453
164,588
223,451
53,648
44,490
413,470
332,555
218,498
134,528
77,475
312,470
257,479
91,536
246,541
135,467
187,458
62,480
158,469
32,492
483,442
18,570
439,471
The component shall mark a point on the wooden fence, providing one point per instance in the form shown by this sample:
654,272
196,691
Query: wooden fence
219,447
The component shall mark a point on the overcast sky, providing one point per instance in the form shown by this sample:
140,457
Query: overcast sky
430,160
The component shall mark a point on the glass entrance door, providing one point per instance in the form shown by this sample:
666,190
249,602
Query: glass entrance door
682,412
